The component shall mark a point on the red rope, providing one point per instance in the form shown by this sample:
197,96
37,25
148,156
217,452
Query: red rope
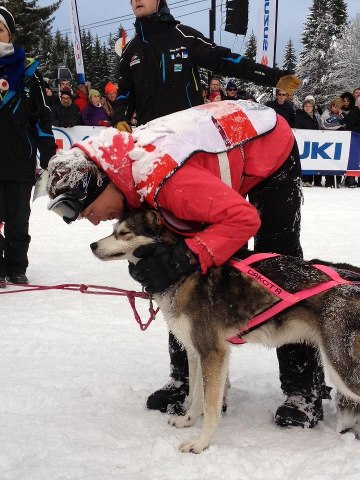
95,290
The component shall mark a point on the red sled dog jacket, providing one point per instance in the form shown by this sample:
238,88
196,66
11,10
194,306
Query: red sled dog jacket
196,168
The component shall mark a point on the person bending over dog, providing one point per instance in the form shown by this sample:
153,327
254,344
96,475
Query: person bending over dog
179,51
195,168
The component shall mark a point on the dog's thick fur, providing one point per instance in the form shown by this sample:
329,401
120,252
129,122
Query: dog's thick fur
203,311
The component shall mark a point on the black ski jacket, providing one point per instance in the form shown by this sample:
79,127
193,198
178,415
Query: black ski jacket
159,69
25,126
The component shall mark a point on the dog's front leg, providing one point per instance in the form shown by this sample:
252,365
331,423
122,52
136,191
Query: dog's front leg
214,370
195,398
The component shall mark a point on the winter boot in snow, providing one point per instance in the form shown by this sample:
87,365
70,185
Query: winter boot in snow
170,397
303,382
299,411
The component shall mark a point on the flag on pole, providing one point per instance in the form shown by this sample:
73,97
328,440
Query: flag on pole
266,43
123,39
75,28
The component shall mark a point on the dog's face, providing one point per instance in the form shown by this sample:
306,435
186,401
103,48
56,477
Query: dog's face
138,230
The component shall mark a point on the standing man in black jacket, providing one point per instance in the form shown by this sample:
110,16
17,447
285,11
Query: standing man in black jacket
159,66
159,76
25,127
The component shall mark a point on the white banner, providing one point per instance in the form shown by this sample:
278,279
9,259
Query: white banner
265,50
74,22
323,150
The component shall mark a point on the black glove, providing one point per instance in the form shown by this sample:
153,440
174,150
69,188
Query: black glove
161,265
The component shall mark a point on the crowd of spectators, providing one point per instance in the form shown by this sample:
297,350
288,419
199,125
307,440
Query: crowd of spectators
86,106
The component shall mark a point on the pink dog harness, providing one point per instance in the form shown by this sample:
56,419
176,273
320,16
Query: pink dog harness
286,299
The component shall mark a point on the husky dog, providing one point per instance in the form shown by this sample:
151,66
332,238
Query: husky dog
203,311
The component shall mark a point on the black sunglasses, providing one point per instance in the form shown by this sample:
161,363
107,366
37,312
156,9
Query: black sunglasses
232,89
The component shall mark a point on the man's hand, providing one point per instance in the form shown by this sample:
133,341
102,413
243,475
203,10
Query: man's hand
123,127
288,83
162,265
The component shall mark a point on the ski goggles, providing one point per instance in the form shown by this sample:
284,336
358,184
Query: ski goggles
70,204
67,205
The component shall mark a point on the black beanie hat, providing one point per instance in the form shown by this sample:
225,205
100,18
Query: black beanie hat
7,19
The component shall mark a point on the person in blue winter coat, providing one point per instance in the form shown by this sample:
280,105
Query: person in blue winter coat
25,127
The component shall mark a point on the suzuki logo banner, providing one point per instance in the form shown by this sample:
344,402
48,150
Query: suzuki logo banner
320,150
327,151
265,49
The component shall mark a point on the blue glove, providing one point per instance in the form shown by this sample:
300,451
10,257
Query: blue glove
161,265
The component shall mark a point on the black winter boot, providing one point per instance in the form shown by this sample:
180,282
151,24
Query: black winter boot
299,411
303,382
170,397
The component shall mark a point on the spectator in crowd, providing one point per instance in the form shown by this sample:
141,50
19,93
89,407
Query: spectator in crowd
317,109
353,118
332,116
353,124
348,103
180,51
204,90
108,101
282,106
65,113
82,95
94,113
215,97
231,91
356,92
215,87
2,245
64,84
307,119
331,120
25,127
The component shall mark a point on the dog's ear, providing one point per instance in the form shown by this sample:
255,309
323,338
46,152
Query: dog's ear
152,218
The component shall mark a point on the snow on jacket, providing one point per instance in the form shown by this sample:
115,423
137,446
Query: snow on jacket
25,126
159,69
192,165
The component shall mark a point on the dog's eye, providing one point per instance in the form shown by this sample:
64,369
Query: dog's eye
124,234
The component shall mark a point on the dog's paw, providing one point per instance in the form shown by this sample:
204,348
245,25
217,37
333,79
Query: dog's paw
181,422
194,445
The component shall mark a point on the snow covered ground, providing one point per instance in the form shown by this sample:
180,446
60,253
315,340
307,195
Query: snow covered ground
75,373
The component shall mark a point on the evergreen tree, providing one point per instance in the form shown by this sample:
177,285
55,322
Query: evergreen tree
250,47
87,51
321,35
346,74
97,68
113,59
289,62
33,23
338,11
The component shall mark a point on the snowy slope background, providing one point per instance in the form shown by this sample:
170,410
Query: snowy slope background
75,373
